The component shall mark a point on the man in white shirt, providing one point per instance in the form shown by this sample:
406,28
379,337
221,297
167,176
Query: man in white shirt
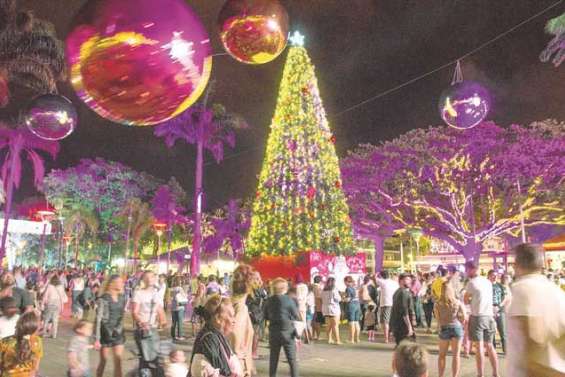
536,319
482,326
148,313
388,287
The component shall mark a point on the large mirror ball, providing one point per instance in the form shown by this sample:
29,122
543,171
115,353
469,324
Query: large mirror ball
51,117
253,31
464,105
138,62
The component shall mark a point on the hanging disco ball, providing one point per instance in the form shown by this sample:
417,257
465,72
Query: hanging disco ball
464,105
51,117
139,62
253,31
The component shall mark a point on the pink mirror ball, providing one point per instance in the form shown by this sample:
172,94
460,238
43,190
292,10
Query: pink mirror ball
253,31
138,62
465,104
51,117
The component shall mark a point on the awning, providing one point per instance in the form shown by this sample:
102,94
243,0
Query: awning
555,244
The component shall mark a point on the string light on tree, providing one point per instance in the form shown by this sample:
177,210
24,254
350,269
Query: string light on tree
299,204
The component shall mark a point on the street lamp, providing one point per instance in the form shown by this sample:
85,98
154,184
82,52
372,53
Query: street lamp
45,216
159,229
67,241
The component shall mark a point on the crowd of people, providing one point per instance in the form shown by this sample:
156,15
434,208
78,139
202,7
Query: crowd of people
522,316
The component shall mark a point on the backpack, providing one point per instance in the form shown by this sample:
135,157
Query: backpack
373,293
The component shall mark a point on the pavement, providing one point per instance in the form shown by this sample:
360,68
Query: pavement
315,360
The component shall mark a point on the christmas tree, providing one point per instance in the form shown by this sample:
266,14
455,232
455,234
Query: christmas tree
299,204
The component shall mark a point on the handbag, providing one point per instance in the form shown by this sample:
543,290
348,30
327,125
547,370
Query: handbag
299,326
181,298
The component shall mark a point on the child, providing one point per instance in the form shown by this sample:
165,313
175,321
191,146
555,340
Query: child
177,366
77,352
9,317
370,321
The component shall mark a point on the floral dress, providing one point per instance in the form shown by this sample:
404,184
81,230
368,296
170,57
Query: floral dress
9,366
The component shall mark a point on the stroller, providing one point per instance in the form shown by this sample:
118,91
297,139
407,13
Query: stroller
150,352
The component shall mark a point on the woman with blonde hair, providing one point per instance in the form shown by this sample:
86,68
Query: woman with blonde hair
241,339
109,329
212,355
450,314
331,309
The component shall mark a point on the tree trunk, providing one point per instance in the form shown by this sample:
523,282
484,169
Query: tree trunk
42,246
379,253
7,207
135,253
169,240
126,249
472,250
77,243
197,236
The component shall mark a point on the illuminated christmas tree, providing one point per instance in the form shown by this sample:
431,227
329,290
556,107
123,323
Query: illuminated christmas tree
299,204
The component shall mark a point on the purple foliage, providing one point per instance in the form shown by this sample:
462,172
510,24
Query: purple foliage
21,140
232,228
198,123
460,186
166,209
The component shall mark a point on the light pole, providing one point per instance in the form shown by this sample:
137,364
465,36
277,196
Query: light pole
159,229
45,216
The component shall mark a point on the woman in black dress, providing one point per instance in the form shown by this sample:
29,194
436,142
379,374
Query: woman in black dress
110,337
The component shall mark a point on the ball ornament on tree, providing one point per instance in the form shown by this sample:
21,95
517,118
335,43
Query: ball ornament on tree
137,63
253,31
51,117
464,105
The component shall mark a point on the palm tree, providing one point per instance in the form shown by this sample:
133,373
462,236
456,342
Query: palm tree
139,219
556,47
78,221
209,129
16,141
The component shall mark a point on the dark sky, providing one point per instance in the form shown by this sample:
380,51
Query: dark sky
360,48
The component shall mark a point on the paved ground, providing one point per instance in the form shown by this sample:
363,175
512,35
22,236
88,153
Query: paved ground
317,360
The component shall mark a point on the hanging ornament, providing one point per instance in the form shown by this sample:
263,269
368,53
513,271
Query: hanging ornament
253,31
311,193
337,184
332,139
51,117
137,63
465,103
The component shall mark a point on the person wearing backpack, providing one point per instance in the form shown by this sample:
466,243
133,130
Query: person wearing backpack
109,329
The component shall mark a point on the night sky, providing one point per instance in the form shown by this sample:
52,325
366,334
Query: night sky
360,48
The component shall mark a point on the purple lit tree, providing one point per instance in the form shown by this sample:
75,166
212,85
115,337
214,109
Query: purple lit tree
15,142
210,129
230,227
463,187
106,188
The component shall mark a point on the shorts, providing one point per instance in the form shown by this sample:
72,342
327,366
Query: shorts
482,328
370,328
116,338
451,332
353,312
385,314
319,318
